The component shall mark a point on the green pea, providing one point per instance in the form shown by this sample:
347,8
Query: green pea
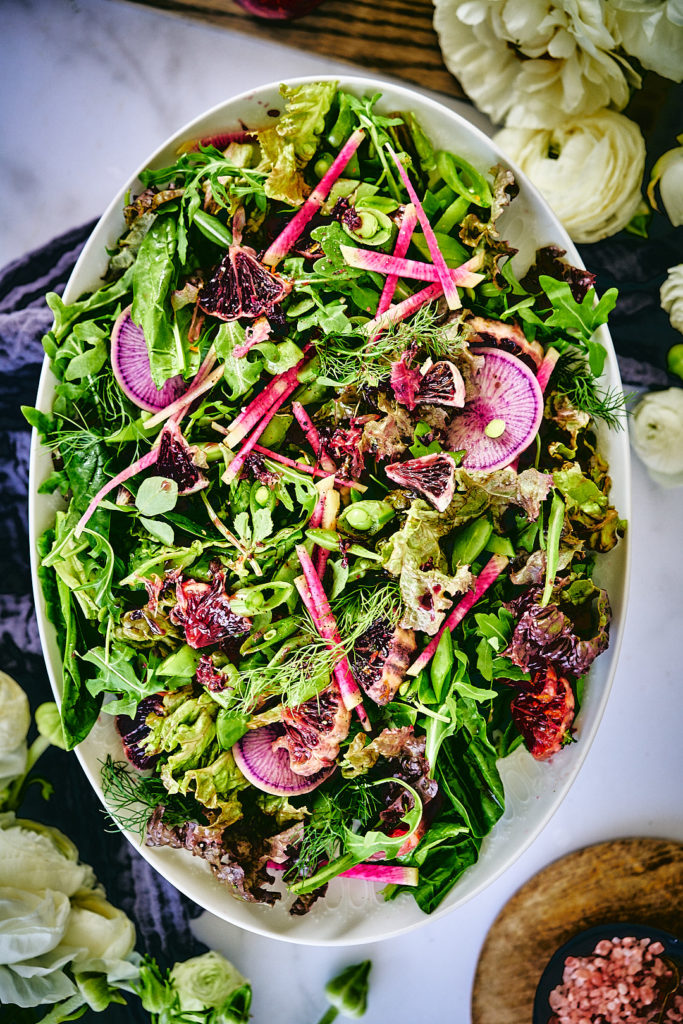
322,165
368,225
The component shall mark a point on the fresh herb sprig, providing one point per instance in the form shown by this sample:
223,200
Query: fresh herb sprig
131,798
574,379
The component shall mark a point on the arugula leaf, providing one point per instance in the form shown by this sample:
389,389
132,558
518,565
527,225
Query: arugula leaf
91,351
579,319
116,674
66,314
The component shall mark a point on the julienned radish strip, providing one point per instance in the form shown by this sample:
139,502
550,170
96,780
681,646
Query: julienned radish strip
488,575
449,289
181,403
144,463
404,309
405,234
382,263
252,413
543,375
318,607
316,520
287,237
312,436
331,503
387,874
546,368
235,467
302,467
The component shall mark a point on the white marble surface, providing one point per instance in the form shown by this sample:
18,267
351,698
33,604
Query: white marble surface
89,88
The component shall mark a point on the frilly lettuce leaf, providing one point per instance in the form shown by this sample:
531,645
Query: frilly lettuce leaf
588,508
211,785
360,755
478,491
289,145
549,635
414,555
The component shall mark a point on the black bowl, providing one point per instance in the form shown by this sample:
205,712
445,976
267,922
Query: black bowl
583,944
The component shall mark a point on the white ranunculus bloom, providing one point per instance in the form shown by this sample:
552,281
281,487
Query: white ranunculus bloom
39,858
589,170
671,296
205,981
668,173
534,63
657,434
652,31
15,718
31,923
97,931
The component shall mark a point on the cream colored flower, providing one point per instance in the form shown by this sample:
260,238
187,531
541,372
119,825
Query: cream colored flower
657,434
652,31
205,981
590,170
15,718
100,933
534,63
671,296
668,173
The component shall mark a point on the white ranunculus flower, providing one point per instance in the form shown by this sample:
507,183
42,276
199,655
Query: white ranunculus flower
671,296
652,31
205,981
657,434
15,718
39,858
589,170
668,173
534,63
31,923
97,932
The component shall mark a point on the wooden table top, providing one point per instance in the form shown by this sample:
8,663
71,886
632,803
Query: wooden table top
395,37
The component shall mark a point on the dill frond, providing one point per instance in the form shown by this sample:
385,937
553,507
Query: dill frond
130,799
574,379
359,359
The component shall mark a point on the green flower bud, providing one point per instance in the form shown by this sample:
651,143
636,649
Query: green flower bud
348,992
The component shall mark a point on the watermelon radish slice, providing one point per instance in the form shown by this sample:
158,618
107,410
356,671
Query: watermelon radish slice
130,363
269,770
503,415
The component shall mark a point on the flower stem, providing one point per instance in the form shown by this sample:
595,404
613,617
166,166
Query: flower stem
331,1014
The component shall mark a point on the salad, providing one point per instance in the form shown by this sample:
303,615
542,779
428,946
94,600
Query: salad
333,503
